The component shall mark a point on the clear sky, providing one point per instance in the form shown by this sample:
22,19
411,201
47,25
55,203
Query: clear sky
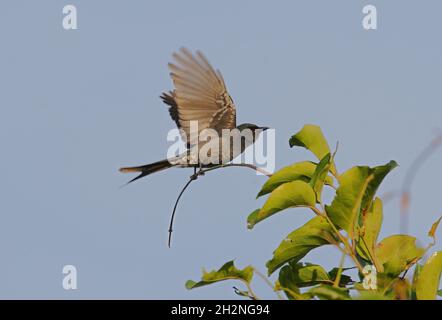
77,105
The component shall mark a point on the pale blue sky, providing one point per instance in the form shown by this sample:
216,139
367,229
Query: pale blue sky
77,105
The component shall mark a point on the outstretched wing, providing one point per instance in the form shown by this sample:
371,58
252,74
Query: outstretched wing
200,95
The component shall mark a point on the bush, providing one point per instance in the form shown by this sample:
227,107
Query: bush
351,223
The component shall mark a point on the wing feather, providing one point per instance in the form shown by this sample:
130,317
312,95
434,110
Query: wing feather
200,94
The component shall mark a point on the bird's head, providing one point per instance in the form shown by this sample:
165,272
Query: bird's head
256,130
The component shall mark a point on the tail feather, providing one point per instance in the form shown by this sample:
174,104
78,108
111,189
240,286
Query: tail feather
147,169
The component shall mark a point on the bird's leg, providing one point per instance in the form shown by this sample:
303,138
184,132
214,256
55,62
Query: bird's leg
201,172
196,174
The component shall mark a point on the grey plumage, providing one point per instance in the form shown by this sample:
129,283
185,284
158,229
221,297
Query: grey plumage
200,94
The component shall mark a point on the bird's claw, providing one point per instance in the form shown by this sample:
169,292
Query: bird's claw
198,173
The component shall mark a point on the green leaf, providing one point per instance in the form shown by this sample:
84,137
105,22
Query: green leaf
328,292
306,275
417,271
312,138
298,171
292,292
429,278
357,188
320,175
373,295
226,272
371,226
372,222
290,194
379,173
297,275
401,289
344,210
287,283
432,232
311,235
344,278
252,219
439,292
396,252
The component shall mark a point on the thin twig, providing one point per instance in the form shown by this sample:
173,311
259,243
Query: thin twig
296,295
390,195
243,293
174,210
201,172
266,280
247,165
409,178
379,268
338,275
250,291
346,244
316,211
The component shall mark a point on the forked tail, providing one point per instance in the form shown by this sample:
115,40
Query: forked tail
147,169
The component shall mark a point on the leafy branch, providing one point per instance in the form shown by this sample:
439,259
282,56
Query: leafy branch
352,223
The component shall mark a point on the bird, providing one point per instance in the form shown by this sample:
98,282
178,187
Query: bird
200,96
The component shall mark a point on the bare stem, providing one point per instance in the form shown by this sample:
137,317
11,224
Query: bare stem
266,280
247,165
249,289
346,244
201,172
317,211
174,210
409,178
338,276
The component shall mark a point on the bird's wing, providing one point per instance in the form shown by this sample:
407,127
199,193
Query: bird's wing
169,99
200,95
